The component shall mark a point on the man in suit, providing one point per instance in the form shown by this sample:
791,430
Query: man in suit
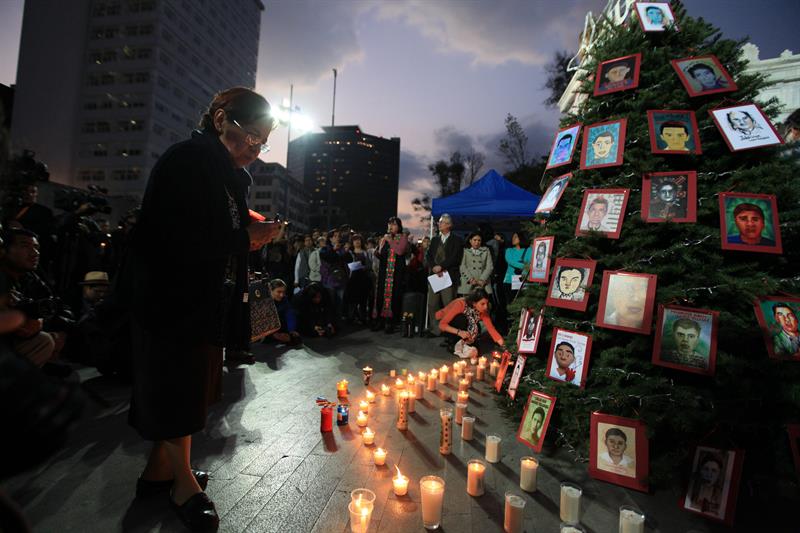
443,255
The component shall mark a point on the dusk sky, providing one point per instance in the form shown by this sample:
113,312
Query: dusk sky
439,74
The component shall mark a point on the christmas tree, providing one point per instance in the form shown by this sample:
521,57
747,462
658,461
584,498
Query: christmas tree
750,398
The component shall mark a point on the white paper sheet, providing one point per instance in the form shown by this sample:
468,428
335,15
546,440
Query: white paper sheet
355,265
438,283
516,283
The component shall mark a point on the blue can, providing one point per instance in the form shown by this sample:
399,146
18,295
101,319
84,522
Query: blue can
342,415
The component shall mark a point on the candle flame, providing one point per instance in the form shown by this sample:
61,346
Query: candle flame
399,475
384,387
364,512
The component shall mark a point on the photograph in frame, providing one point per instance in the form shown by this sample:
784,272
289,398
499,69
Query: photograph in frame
669,196
618,74
686,339
542,251
602,211
568,360
603,144
570,282
530,329
714,483
626,301
501,372
673,131
749,222
655,17
778,318
516,374
535,419
619,451
564,145
553,194
703,75
745,127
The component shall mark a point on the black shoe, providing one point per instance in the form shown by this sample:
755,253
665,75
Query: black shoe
239,357
147,489
197,513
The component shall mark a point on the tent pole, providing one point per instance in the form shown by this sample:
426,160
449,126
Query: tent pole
427,293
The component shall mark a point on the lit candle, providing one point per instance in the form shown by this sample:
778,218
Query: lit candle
341,389
432,380
368,437
473,360
515,508
482,361
461,408
480,373
367,371
400,483
422,376
631,520
493,368
399,384
392,373
431,489
362,497
446,434
410,379
467,425
463,385
527,473
361,419
443,374
463,396
412,400
475,472
364,406
420,388
402,412
493,448
359,517
370,396
385,389
468,376
380,456
570,505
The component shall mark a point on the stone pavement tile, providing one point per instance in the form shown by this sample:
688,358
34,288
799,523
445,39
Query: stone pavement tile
242,457
225,493
264,462
400,516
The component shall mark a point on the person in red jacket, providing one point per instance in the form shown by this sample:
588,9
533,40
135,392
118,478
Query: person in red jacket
459,319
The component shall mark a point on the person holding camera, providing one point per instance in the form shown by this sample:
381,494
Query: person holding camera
187,306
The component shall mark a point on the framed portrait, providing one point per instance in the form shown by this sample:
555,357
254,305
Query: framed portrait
703,75
553,194
619,451
535,419
714,483
686,339
745,127
569,357
539,271
530,329
749,222
603,211
626,301
501,372
603,144
619,74
516,374
673,131
794,442
564,146
570,283
669,196
654,16
778,317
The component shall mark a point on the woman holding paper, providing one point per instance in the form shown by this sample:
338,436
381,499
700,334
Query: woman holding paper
459,320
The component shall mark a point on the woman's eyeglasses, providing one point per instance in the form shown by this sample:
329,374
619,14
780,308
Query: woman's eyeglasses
252,139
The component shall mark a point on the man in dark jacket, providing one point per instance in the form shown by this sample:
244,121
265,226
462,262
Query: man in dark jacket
443,255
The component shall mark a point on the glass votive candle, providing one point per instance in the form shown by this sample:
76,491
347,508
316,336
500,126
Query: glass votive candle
359,517
368,437
528,467
431,489
400,484
370,396
467,427
631,520
379,455
363,405
385,389
362,497
513,518
571,528
476,470
493,448
570,504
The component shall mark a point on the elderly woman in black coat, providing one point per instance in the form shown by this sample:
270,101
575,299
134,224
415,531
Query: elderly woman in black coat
188,280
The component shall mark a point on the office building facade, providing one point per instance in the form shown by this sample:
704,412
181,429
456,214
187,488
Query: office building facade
275,191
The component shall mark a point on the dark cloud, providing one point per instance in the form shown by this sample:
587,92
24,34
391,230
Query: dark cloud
449,139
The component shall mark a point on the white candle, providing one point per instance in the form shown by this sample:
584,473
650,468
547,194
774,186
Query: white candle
446,434
461,408
630,520
493,448
399,384
527,473
443,373
412,400
420,388
432,380
402,412
463,397
385,389
463,385
400,484
468,376
422,376
368,437
467,425
363,405
480,374
392,373
493,368
482,361
570,508
360,517
370,396
361,419
475,472
380,457
515,509
431,489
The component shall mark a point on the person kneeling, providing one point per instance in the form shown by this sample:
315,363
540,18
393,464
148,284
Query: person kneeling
459,319
315,312
288,333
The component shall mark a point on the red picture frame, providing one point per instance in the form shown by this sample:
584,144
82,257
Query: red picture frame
751,110
555,298
541,399
771,328
542,206
568,336
516,374
704,59
660,4
616,86
688,195
620,140
575,136
618,211
606,317
690,123
732,472
670,360
727,201
548,255
793,430
501,372
524,317
633,477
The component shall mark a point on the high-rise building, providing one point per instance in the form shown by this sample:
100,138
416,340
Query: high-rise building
275,191
351,176
104,87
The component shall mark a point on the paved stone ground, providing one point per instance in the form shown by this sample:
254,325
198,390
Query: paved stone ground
273,471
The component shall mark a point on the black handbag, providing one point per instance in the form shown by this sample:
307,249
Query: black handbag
264,319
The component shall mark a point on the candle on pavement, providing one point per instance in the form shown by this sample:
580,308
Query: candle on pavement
476,469
570,504
527,473
380,456
463,396
363,405
467,425
432,380
370,396
493,448
385,389
631,520
461,408
412,400
400,483
431,490
515,508
368,437
361,419
443,372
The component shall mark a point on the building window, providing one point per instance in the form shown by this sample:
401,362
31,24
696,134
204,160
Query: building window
91,175
141,6
126,174
128,151
130,125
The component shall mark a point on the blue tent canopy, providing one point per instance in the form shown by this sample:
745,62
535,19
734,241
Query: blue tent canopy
492,196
